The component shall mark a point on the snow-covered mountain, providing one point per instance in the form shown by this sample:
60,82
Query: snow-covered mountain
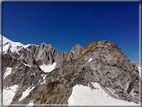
9,46
99,74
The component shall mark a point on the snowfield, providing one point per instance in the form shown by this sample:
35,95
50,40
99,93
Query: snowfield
83,95
8,94
48,68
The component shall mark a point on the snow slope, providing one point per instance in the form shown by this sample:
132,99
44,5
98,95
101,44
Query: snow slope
7,72
26,93
83,95
12,46
48,68
8,44
8,94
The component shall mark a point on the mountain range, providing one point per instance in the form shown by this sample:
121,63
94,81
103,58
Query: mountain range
101,69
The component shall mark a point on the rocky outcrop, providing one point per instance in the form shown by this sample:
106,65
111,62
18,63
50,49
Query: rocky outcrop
69,56
74,52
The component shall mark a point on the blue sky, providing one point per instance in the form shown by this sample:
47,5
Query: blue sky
63,25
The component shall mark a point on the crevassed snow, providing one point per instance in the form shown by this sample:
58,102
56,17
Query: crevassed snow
25,93
90,59
7,72
8,94
83,95
27,65
48,68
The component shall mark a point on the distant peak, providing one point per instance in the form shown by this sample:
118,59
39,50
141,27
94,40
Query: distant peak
43,43
78,45
49,44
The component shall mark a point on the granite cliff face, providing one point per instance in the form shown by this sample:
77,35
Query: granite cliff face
42,54
69,56
101,62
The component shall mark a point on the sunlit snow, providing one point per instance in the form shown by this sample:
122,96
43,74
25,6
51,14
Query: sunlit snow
72,52
83,95
25,93
27,65
30,104
7,72
9,44
43,76
90,59
140,71
8,94
48,68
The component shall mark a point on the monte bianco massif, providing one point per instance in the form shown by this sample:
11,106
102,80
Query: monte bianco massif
99,74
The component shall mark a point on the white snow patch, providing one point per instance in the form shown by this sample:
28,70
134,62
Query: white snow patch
8,94
7,71
25,93
48,68
140,68
72,52
30,104
90,59
27,65
26,45
43,79
83,95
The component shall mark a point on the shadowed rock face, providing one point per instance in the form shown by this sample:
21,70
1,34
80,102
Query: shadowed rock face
102,62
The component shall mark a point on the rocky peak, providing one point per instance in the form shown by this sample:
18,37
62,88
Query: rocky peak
74,52
69,56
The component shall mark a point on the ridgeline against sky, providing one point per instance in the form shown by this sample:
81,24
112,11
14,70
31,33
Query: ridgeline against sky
63,25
